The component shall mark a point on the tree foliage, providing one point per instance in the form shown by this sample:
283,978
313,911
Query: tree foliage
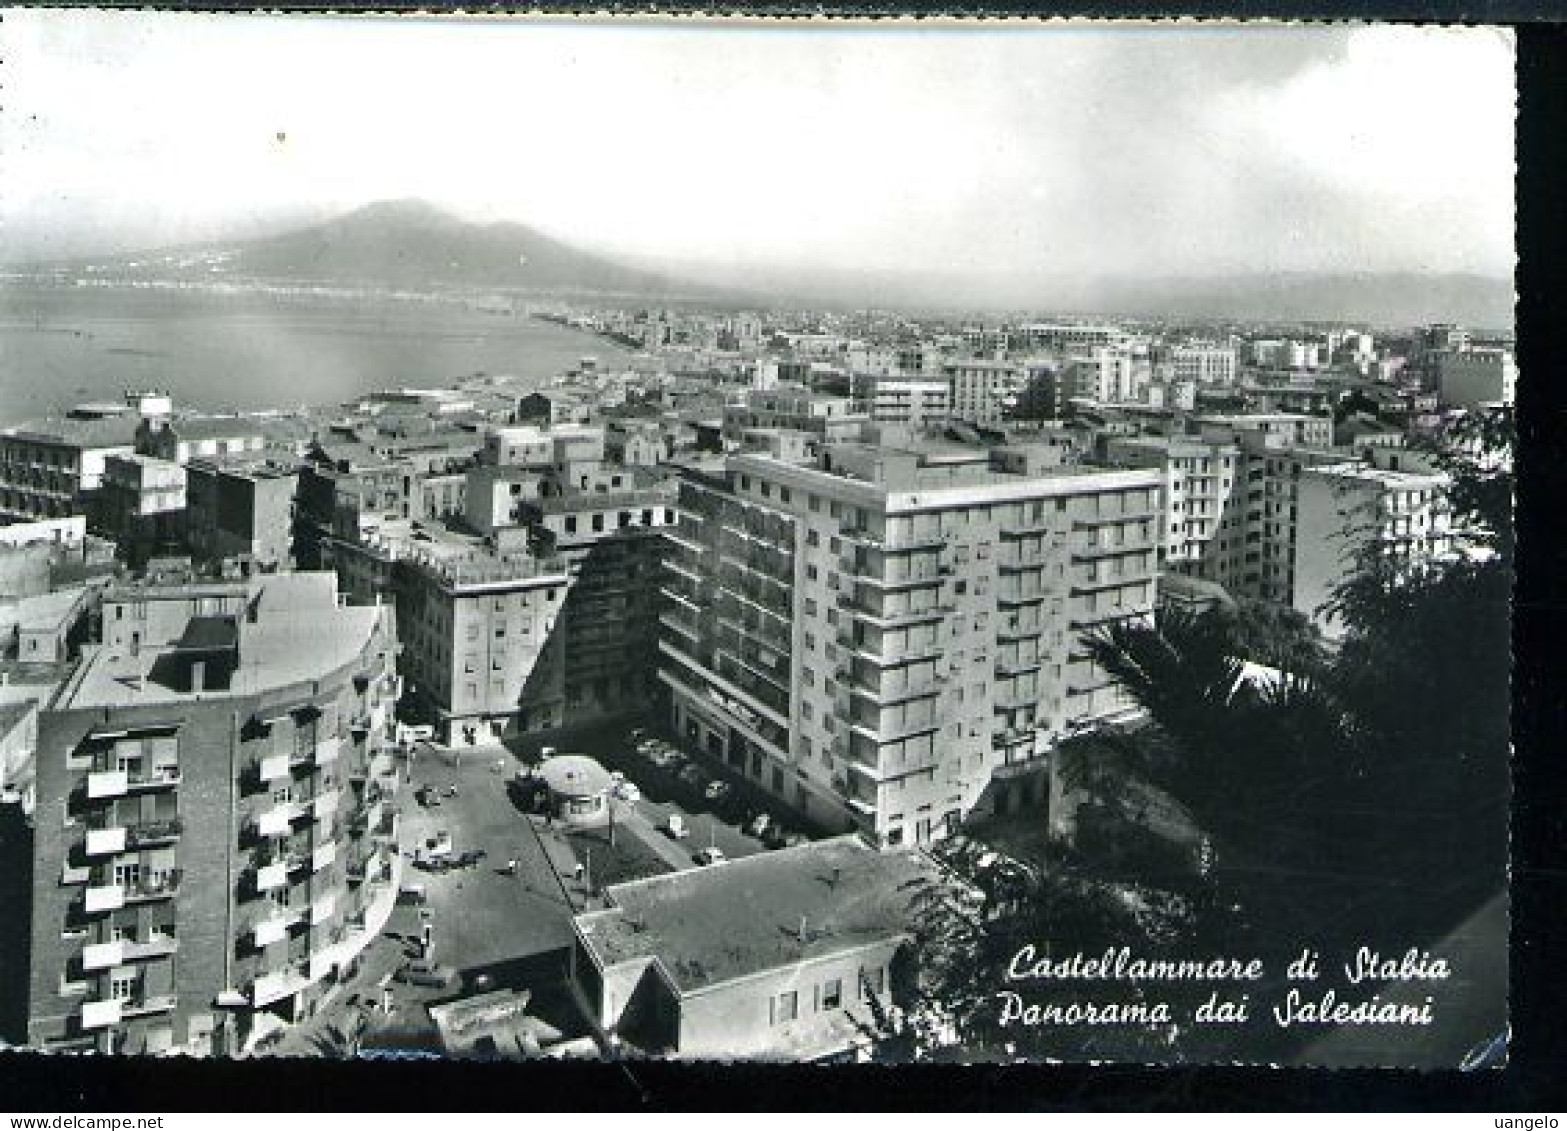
1360,793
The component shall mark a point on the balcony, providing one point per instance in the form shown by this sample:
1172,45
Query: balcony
275,927
103,897
1090,521
166,886
107,783
325,804
150,834
322,909
277,985
1094,584
111,1011
276,820
103,784
272,875
105,956
101,1014
106,841
912,690
328,749
274,767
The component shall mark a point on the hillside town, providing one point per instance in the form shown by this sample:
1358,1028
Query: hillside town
642,711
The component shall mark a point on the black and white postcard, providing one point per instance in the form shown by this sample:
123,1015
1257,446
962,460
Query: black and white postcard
531,538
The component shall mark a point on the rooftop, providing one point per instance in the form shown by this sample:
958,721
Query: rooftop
115,432
299,633
715,924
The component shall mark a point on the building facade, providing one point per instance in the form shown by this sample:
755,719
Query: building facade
878,640
214,843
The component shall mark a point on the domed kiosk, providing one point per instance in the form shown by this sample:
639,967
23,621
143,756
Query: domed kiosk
578,789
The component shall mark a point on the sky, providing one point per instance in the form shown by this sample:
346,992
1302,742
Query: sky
1000,148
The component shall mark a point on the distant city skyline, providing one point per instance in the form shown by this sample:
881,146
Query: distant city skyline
973,150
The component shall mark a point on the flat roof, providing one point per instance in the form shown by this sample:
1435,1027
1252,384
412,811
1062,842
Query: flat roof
726,921
300,633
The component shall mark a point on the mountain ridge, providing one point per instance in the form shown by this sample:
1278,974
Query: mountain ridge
412,244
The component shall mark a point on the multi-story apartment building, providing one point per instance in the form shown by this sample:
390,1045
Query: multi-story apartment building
1479,375
141,505
1068,338
240,510
54,469
1203,364
878,637
1346,508
214,845
179,439
793,407
1201,514
473,619
1108,374
602,656
983,391
1291,429
898,400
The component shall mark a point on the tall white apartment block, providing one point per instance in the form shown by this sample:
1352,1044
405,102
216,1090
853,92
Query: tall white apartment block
888,640
983,391
1344,508
1204,364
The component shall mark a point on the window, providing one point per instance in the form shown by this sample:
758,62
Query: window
571,524
786,1007
831,995
598,522
873,982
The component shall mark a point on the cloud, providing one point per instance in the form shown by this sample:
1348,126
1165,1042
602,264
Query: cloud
1017,148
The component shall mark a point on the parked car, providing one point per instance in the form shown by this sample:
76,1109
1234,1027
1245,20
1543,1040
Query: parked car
694,776
422,973
663,757
712,854
773,836
759,824
676,827
717,790
412,894
628,792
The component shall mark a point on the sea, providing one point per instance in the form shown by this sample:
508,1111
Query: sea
62,345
